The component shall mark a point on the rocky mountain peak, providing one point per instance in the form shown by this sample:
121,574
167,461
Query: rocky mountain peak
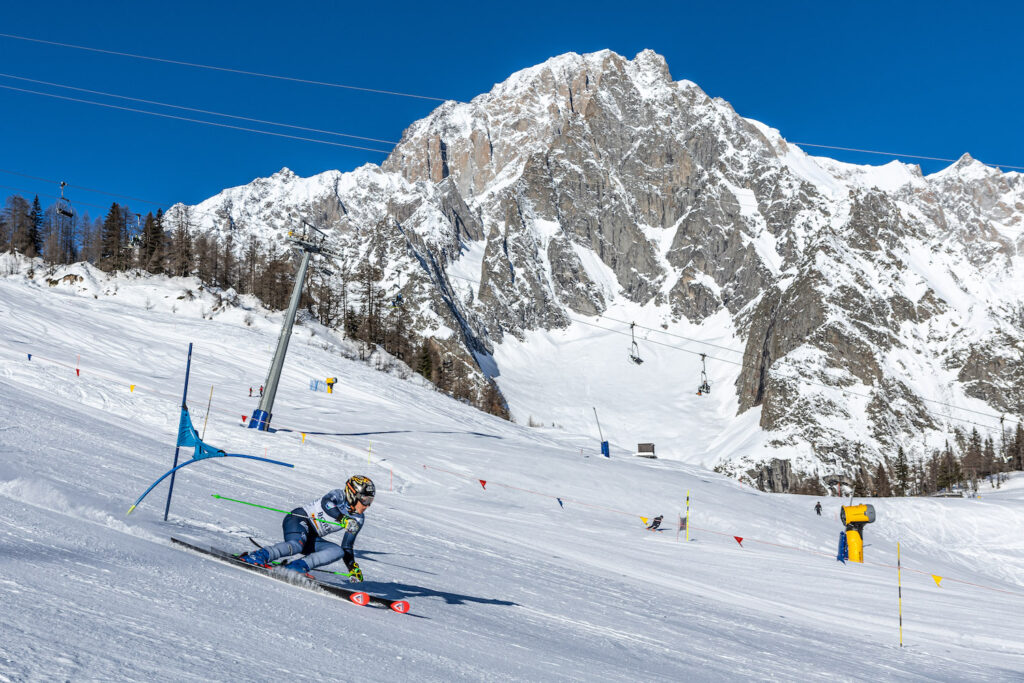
594,183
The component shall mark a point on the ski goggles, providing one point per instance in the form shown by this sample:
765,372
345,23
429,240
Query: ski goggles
365,500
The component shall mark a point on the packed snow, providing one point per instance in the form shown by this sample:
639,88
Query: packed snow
544,573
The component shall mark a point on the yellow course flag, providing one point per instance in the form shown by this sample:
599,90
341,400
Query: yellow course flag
131,388
645,520
938,580
303,437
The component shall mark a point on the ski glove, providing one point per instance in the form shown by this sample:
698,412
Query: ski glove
355,574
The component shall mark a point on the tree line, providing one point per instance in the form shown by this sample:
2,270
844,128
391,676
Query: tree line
964,465
353,300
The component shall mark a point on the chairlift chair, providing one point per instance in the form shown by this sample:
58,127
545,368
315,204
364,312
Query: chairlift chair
634,351
63,205
705,386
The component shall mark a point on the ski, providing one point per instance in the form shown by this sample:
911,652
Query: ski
360,598
283,562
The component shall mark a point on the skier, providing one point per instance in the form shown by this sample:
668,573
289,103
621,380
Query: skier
655,523
306,526
250,392
817,508
261,391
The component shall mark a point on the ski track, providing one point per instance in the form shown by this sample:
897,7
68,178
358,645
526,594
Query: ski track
504,585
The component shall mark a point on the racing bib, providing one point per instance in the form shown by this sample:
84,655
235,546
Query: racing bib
322,522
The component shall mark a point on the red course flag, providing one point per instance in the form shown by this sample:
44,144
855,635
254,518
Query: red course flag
483,484
739,539
244,417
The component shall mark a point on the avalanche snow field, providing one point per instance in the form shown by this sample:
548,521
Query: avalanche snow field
504,582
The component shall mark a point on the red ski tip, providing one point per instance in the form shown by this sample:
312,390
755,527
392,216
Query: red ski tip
400,606
360,598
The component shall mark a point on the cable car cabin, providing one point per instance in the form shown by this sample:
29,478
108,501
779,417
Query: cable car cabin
645,450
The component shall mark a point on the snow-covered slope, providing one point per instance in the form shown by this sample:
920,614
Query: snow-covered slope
505,583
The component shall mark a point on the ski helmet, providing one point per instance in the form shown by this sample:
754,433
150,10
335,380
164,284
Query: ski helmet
359,488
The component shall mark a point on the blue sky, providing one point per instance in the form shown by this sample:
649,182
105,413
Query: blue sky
929,79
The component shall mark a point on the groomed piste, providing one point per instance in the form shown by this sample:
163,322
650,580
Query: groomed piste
543,572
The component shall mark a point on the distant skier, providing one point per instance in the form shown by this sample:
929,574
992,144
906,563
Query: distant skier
250,392
261,391
655,523
817,508
305,528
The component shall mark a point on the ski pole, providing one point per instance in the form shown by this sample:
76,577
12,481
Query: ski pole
264,507
278,563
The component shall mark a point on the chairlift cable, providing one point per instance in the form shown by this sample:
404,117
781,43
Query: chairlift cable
198,111
222,68
191,120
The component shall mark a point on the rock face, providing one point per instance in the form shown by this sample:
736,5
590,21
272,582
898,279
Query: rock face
848,285
774,476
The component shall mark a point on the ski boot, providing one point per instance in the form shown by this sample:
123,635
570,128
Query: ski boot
259,558
299,566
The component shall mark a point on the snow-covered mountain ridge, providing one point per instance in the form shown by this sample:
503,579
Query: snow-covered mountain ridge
860,308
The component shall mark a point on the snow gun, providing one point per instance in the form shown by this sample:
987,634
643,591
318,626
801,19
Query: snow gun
851,542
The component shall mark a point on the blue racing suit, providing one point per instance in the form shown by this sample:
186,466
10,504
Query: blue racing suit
306,526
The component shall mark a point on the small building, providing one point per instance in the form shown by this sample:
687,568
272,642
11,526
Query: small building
645,450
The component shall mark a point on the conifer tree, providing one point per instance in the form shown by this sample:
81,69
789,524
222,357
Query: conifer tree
34,246
988,458
883,487
902,473
151,247
112,240
1017,450
425,361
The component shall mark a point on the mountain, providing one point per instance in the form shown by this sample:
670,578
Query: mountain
842,311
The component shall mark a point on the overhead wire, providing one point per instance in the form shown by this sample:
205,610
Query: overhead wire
198,111
224,69
185,118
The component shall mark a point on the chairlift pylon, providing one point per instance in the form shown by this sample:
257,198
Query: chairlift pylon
634,351
705,386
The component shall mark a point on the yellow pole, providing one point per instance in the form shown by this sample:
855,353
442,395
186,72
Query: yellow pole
687,514
899,583
369,448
